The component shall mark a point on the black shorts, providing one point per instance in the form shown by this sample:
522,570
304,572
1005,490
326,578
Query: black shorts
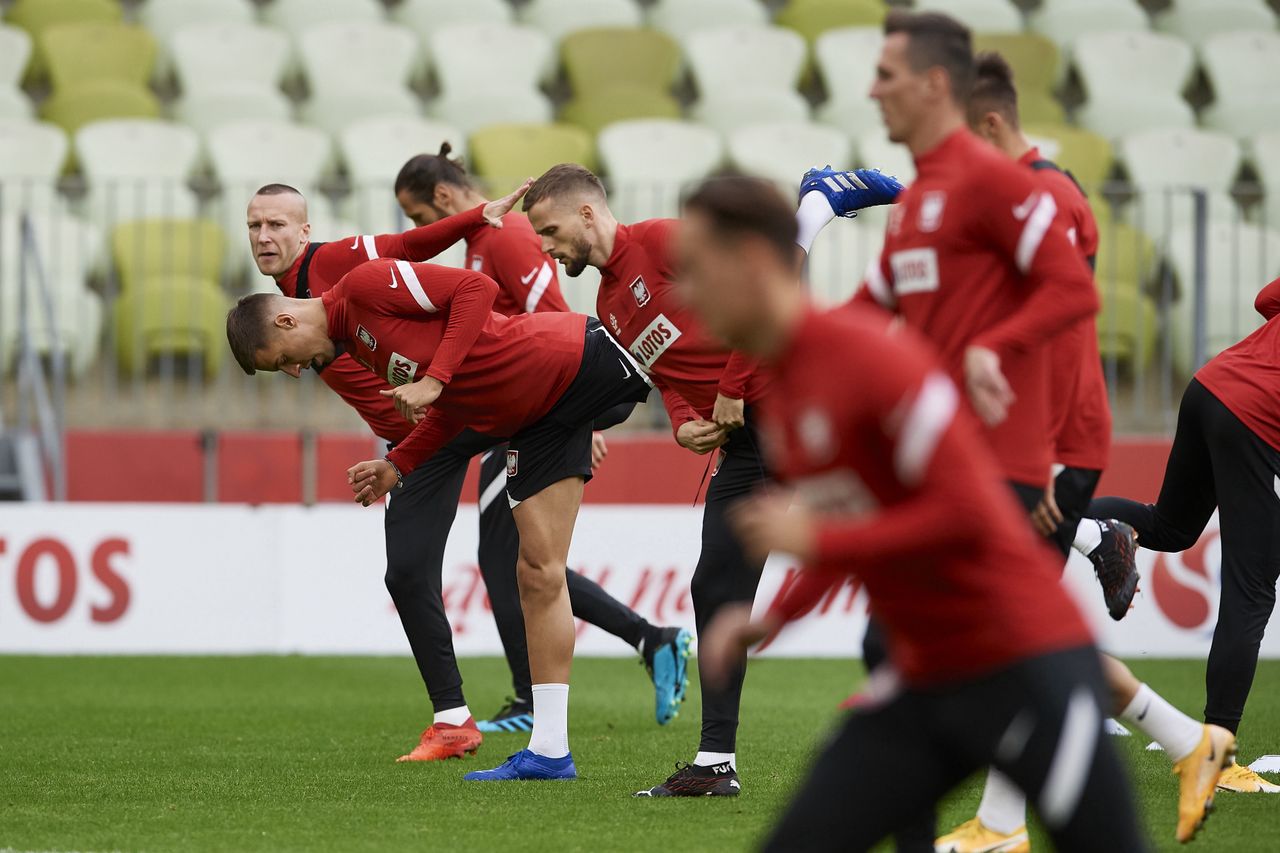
558,446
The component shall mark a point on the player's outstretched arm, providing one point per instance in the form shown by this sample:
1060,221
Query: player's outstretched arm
727,638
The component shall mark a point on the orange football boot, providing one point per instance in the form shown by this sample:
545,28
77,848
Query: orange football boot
441,741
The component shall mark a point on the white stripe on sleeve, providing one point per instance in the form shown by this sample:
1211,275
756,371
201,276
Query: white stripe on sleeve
370,246
1033,232
931,412
540,286
415,287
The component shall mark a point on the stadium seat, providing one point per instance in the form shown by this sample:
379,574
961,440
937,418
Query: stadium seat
1264,151
559,18
603,107
1117,114
35,16
32,155
374,150
331,110
1196,22
1127,326
212,106
482,57
137,168
1035,60
68,247
738,57
981,16
171,316
75,107
14,105
730,108
208,55
1038,107
648,162
157,248
1239,260
782,151
1165,165
1086,155
812,18
873,150
296,15
84,53
75,330
840,257
855,117
426,16
247,154
600,59
163,18
1243,68
1132,62
473,110
504,155
681,18
1065,21
374,55
15,53
846,61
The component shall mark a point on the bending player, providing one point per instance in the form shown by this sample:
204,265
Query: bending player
989,309
893,482
1226,454
417,522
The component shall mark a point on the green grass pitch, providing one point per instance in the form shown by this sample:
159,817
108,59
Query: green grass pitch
246,754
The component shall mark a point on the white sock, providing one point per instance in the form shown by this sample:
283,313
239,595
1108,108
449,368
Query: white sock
1003,807
1150,714
814,214
550,736
707,759
1088,536
454,716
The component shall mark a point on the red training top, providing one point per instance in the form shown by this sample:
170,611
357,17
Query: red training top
637,302
1246,377
512,256
403,321
911,500
1079,411
976,255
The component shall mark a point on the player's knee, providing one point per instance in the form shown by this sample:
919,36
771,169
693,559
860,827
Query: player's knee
399,580
539,578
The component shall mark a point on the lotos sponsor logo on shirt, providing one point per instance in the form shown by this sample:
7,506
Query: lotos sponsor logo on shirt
914,271
654,340
401,370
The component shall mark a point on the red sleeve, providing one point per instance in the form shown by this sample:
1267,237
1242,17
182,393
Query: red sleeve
526,274
1267,302
805,591
1025,223
431,433
678,409
737,373
468,296
422,244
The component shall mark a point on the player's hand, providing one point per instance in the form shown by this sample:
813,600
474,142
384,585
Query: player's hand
371,480
413,399
989,391
700,436
723,645
769,522
599,449
728,414
1046,516
495,210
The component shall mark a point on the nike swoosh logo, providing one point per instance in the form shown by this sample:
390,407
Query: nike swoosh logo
355,244
394,283
1143,715
733,783
626,371
525,279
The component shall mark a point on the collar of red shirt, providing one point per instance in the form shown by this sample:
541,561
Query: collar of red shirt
620,238
288,283
952,146
1030,157
333,315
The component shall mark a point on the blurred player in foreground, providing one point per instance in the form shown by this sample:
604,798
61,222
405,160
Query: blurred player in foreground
893,482
539,379
1226,455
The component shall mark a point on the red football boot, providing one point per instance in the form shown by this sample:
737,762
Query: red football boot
441,741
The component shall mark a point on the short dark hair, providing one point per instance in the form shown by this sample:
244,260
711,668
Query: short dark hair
423,171
993,89
738,205
935,39
277,189
562,179
249,328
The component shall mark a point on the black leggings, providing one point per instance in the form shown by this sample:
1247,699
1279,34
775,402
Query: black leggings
1217,461
417,526
1034,721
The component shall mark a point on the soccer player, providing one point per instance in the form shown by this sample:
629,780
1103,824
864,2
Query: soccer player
418,520
892,482
540,379
1226,454
1082,438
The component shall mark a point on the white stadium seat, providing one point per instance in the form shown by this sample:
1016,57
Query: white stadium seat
353,55
782,151
258,152
471,111
745,57
727,109
875,151
374,150
846,58
482,57
206,55
1133,62
15,51
559,18
840,257
32,155
1196,22
1264,151
426,16
332,110
681,18
981,16
296,15
14,104
215,105
76,326
650,161
1187,157
1243,68
137,168
1065,21
854,117
1122,113
163,18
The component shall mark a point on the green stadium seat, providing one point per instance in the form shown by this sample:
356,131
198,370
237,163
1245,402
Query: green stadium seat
603,107
1035,59
812,18
162,248
84,53
171,315
35,16
605,58
560,18
1086,155
1035,107
504,155
74,107
1126,264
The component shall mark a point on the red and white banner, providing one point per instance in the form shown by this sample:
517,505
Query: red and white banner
139,578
